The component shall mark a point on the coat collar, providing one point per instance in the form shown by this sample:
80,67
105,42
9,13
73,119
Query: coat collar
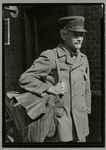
79,60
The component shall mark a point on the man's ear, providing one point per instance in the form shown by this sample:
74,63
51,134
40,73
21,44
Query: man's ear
63,34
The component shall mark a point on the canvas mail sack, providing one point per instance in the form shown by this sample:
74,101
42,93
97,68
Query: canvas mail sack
34,116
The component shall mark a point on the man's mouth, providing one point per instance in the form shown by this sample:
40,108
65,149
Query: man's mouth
77,43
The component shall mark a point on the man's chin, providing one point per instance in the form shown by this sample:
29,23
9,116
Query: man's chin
77,46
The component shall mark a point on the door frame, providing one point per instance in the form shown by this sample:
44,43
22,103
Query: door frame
26,28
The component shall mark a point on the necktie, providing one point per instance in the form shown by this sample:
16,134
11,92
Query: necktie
74,54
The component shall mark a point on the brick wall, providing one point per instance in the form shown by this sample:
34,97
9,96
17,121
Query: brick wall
93,15
13,54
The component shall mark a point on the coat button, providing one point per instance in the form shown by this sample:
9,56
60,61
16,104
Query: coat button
82,107
82,94
73,107
82,82
73,95
82,69
72,83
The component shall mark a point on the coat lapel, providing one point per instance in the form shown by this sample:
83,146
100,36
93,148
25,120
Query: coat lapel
69,60
79,60
62,52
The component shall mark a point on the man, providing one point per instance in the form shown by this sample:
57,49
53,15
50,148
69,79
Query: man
41,78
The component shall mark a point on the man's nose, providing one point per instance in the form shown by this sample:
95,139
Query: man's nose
79,38
79,41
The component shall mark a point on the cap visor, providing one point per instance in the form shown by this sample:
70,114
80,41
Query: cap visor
77,29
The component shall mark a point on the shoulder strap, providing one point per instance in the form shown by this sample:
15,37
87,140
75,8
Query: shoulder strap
57,64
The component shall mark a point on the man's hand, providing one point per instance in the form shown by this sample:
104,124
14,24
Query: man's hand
58,89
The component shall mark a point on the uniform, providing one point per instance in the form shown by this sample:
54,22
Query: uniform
74,70
77,101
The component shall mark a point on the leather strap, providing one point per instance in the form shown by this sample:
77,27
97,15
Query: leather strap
57,65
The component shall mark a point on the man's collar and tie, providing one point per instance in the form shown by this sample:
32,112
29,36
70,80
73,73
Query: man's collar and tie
74,61
70,53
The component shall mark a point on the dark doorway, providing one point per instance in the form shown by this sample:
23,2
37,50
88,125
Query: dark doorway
42,29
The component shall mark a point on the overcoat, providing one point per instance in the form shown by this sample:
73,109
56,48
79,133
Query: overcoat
77,102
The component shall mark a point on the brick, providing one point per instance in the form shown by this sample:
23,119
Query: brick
97,87
98,52
91,42
97,11
86,9
98,41
93,72
90,58
91,78
88,38
88,48
97,47
97,67
90,33
97,17
88,28
89,23
99,82
92,87
94,82
95,27
88,13
98,31
96,57
98,62
96,100
92,62
98,72
87,18
91,68
90,52
95,7
96,37
97,21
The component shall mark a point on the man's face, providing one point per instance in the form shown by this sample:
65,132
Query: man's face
73,39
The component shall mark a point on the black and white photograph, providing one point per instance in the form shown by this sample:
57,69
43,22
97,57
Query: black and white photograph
53,75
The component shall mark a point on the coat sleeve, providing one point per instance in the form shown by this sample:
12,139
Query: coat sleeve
32,79
88,90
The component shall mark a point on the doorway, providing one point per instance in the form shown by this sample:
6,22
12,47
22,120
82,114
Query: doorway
42,29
